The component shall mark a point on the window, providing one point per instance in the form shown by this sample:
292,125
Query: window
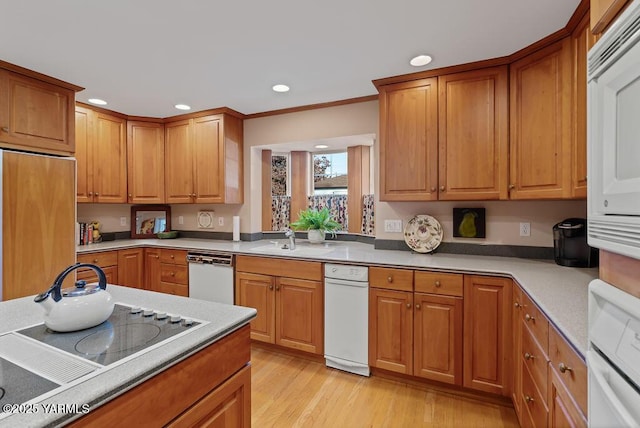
330,173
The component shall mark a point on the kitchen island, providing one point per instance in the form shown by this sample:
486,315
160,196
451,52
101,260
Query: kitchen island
158,385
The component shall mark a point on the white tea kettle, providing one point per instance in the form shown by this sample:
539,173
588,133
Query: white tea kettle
77,308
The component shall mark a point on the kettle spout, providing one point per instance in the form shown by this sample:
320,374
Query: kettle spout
44,300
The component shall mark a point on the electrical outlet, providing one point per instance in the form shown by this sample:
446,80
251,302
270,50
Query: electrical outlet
123,221
393,226
180,219
525,229
220,221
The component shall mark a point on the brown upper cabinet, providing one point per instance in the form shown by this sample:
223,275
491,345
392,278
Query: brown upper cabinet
540,145
603,12
101,156
445,138
473,135
35,115
203,160
145,162
409,141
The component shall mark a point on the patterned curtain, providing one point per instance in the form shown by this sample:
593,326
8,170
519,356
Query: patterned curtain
280,208
367,215
337,205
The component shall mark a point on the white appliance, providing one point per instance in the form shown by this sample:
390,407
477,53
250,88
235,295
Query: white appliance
614,137
211,277
346,318
613,358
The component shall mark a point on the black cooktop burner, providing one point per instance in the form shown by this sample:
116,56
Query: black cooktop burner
122,335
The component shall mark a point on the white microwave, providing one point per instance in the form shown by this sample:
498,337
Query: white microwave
613,136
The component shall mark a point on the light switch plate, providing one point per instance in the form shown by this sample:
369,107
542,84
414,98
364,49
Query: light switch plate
205,219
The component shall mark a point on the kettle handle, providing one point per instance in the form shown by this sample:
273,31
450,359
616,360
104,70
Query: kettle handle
57,283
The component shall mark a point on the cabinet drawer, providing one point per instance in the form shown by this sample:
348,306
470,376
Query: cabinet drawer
104,259
174,274
392,279
449,284
298,269
111,272
534,359
563,357
536,322
175,289
178,257
535,404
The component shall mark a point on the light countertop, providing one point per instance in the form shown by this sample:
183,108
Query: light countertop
96,390
561,292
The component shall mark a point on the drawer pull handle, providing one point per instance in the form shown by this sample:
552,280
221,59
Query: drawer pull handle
563,368
442,188
90,193
528,318
172,274
408,305
271,287
438,284
172,256
512,186
389,279
517,305
277,288
5,129
528,356
95,260
433,189
418,306
97,194
157,257
528,399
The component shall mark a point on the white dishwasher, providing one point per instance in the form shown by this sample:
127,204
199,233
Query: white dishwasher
346,318
211,277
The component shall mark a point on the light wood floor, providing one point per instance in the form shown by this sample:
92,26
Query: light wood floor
289,391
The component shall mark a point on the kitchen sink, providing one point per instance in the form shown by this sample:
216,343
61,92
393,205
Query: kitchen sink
301,250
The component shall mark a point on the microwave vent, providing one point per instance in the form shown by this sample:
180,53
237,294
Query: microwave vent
619,233
616,41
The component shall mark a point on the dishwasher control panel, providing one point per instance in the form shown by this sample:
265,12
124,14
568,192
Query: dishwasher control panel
346,272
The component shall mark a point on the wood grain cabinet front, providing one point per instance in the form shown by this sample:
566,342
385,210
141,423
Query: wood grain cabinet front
290,310
145,162
101,156
36,115
106,260
203,160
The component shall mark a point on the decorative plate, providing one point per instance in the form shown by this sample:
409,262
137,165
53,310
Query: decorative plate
423,233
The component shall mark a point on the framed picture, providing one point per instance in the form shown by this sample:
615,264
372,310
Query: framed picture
148,220
469,223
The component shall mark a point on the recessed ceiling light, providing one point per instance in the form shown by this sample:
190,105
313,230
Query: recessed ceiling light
280,88
97,101
182,107
321,146
420,60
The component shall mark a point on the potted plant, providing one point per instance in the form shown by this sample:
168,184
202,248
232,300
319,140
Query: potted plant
316,223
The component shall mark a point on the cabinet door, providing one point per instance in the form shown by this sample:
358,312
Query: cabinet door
603,13
38,221
582,40
178,162
109,154
257,291
437,340
229,405
300,314
487,334
36,114
208,157
391,330
540,157
473,135
152,269
145,162
409,141
83,155
131,267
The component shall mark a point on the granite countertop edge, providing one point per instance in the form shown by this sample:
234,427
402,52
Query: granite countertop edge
560,292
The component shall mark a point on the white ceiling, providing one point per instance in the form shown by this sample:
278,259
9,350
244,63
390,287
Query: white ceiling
144,56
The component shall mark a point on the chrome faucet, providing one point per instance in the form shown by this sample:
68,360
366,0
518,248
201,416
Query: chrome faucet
292,238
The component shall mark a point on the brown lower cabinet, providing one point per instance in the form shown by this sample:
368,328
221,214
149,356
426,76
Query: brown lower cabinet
290,310
182,397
